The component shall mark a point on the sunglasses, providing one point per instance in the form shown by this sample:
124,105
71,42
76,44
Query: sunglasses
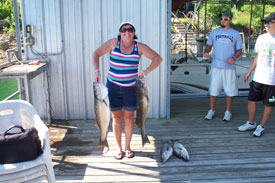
226,19
269,23
123,30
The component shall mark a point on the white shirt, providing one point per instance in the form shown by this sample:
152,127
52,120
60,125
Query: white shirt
265,68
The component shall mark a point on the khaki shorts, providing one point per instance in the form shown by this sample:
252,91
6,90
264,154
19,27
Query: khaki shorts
225,79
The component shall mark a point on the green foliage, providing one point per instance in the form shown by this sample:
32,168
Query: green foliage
6,12
11,28
173,29
257,13
6,8
241,14
213,11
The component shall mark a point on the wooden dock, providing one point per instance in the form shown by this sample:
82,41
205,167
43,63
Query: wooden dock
218,152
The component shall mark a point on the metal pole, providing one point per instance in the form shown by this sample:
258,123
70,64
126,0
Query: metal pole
262,26
186,38
249,34
18,39
186,45
169,12
205,21
198,22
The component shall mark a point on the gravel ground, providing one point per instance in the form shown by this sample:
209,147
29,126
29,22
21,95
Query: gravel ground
11,39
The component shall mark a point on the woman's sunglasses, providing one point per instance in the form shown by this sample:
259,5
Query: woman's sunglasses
123,30
269,23
226,19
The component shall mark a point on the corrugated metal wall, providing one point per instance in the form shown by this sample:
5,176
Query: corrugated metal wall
82,26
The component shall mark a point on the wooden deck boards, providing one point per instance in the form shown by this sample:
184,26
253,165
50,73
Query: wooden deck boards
218,152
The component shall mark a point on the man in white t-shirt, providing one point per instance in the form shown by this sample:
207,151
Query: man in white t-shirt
227,47
262,87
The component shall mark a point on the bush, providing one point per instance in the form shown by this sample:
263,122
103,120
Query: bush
6,12
256,15
241,16
6,8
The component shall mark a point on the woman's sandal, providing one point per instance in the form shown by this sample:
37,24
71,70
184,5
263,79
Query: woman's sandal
129,154
119,155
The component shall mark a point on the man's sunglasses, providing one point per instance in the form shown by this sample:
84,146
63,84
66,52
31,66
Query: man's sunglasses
269,23
226,19
123,30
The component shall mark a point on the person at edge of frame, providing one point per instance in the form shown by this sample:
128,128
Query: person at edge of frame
262,86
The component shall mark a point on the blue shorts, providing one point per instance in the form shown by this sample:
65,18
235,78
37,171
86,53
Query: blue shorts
120,96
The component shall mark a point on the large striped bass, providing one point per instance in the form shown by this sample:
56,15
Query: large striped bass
142,108
102,112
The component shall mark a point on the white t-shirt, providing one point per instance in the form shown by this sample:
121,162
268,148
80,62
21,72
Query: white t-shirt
225,44
265,68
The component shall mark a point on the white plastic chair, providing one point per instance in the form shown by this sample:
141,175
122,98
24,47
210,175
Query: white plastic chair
19,112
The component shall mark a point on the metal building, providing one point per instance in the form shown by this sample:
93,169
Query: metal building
66,32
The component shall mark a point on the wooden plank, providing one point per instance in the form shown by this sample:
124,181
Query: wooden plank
218,152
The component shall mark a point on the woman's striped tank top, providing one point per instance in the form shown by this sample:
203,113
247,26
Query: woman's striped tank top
123,67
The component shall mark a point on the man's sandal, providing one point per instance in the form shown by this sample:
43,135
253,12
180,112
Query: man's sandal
129,154
119,155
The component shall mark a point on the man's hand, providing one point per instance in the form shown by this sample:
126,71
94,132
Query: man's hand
206,54
246,76
230,61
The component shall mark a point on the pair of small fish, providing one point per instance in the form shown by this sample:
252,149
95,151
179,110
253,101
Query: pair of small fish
167,150
103,114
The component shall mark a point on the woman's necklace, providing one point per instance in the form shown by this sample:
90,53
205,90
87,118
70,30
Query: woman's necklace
126,49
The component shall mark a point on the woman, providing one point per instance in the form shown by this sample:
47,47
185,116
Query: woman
125,54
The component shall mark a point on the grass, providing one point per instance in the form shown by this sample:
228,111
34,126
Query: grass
7,87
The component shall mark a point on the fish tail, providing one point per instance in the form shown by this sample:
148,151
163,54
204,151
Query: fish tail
145,140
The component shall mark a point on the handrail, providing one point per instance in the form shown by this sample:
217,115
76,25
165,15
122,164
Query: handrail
187,27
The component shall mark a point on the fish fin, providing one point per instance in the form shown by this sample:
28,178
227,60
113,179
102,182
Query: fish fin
138,120
103,143
181,157
105,102
137,123
145,140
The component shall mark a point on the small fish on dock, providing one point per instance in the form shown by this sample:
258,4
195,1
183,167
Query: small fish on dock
180,151
166,152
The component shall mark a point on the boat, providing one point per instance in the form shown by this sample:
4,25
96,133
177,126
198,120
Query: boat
191,78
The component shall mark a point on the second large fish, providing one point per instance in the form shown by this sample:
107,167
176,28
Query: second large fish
180,151
102,112
142,108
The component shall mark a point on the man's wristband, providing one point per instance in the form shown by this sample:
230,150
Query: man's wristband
96,70
234,58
